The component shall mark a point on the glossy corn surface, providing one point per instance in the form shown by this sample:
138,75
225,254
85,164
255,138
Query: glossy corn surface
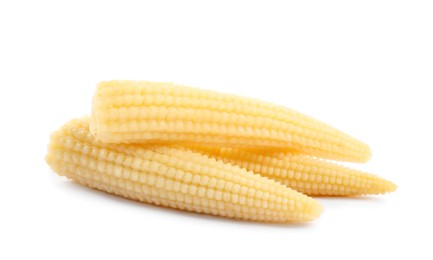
145,112
174,177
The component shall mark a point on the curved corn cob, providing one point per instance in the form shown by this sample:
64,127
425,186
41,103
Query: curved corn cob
174,177
140,111
303,173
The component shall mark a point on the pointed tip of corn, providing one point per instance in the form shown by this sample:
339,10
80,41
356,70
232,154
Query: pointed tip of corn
362,155
313,210
381,186
367,154
389,187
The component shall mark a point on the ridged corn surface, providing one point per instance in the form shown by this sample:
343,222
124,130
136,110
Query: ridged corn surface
311,176
141,111
174,177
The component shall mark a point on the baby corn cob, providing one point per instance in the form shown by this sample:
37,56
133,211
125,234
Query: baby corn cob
174,177
140,112
303,173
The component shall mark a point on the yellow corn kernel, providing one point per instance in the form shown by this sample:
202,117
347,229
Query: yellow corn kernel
140,112
311,176
174,177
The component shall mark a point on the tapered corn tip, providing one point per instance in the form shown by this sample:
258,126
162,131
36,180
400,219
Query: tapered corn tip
365,153
387,187
377,186
391,188
312,210
361,154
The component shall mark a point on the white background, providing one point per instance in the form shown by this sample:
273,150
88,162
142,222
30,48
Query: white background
365,67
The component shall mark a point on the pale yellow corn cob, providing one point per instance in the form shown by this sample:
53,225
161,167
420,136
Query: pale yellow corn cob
303,173
140,111
174,177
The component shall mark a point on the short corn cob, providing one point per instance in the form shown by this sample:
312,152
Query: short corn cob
174,177
140,111
303,173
